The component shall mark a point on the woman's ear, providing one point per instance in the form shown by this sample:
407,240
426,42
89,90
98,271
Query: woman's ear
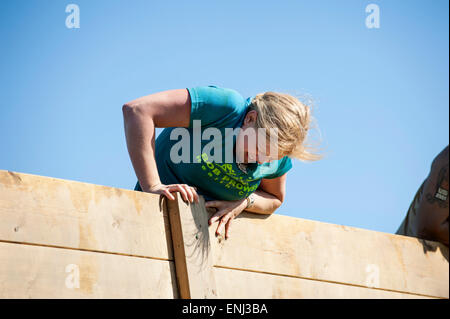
250,118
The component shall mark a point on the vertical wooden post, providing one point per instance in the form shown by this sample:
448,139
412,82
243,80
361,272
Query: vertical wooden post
192,248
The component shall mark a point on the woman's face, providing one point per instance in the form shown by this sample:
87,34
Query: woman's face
250,146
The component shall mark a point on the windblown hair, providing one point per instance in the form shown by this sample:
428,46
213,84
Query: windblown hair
293,120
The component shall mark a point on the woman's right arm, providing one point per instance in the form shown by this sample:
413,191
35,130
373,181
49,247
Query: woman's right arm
141,116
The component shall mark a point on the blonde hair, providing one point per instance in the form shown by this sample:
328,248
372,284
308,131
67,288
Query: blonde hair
293,120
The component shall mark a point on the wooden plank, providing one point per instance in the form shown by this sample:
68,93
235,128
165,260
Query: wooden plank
55,212
236,284
28,271
192,248
52,212
307,249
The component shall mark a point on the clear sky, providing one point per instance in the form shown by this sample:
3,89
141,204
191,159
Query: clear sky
381,95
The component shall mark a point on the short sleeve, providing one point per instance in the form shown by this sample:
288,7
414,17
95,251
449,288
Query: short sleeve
215,106
284,165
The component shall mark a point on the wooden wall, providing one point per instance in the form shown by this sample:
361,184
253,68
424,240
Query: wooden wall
65,239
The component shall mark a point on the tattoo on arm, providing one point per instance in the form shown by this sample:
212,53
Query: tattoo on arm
440,195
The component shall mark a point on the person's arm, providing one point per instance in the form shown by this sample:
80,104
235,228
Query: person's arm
164,109
267,198
433,208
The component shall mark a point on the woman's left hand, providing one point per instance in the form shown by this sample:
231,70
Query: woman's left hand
226,212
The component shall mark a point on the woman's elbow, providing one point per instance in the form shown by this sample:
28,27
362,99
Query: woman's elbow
276,204
129,108
132,111
137,108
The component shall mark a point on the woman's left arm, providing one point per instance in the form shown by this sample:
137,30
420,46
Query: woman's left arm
267,198
269,195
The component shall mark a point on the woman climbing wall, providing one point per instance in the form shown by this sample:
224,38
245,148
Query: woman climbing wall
253,141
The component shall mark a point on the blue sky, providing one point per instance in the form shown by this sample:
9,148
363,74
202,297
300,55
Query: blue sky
381,95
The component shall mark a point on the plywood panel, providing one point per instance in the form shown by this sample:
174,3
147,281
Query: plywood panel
49,211
28,271
109,230
192,249
232,284
308,249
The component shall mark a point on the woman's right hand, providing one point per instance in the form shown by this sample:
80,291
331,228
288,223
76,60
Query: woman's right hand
189,193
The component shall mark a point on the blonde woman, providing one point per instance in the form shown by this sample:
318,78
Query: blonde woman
253,180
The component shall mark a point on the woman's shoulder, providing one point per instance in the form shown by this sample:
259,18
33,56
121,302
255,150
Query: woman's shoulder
213,103
217,94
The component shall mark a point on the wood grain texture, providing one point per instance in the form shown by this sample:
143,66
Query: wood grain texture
28,271
55,212
239,284
192,249
131,244
302,248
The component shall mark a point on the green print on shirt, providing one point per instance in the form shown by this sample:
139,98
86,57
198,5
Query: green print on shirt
224,174
220,108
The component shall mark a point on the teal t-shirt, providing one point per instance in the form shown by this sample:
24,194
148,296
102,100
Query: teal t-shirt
218,108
